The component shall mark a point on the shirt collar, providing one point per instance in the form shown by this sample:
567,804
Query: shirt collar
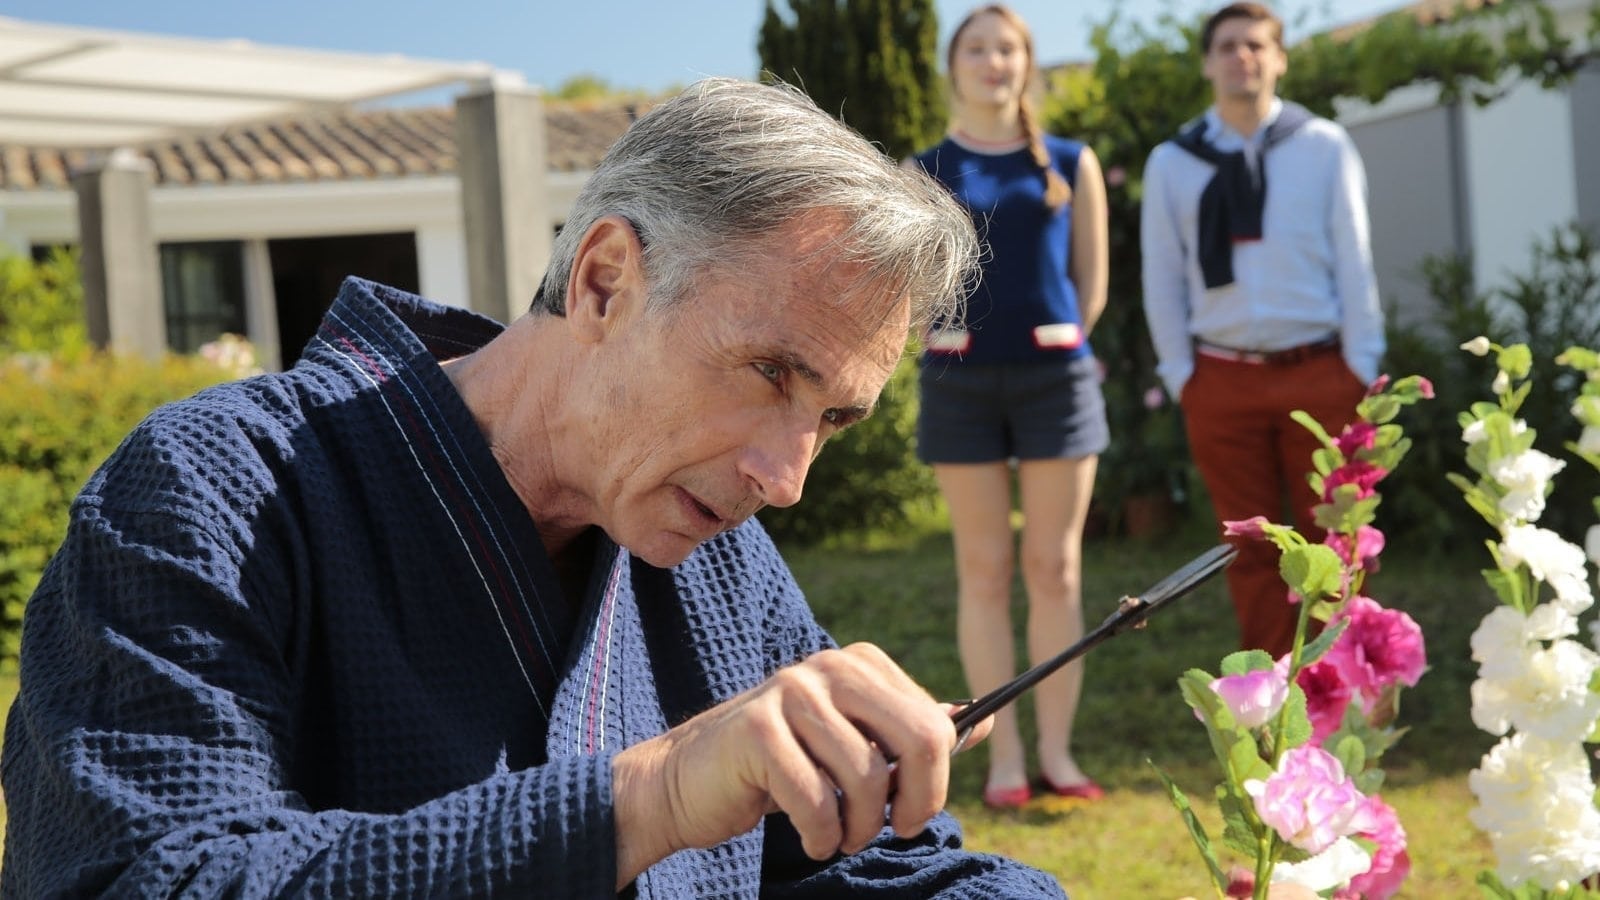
1223,137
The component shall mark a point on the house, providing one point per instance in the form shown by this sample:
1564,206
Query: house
257,224
222,186
1453,178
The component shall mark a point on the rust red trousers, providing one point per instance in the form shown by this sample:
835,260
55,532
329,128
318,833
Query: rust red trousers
1254,460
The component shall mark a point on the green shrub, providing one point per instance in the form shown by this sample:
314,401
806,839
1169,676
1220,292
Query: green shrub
63,409
866,478
41,305
1554,306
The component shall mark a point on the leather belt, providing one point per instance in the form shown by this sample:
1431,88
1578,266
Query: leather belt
1284,357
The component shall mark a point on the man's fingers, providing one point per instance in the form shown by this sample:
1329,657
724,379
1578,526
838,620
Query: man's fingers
851,761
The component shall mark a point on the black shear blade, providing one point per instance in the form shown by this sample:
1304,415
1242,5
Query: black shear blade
1129,613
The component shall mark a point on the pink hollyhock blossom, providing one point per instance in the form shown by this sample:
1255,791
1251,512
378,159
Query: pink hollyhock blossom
1308,800
1390,862
1327,697
1253,527
1254,697
1364,475
1357,435
1369,543
1379,648
1377,385
1425,388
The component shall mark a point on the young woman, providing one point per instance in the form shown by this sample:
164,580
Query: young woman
1017,381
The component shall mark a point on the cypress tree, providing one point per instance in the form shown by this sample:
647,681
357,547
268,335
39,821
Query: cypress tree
872,63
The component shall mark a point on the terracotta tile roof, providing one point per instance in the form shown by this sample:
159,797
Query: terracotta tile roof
1426,12
355,145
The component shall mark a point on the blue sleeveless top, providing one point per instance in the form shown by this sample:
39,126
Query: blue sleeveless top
1025,307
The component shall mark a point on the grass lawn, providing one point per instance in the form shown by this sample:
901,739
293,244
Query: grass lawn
900,594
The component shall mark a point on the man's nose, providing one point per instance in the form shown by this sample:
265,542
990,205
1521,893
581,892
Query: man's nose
777,463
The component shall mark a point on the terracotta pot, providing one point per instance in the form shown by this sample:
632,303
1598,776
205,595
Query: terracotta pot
1149,515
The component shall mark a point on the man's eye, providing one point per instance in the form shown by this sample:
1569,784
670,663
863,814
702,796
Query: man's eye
769,371
833,416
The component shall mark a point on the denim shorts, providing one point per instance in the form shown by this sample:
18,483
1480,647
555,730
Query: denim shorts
991,413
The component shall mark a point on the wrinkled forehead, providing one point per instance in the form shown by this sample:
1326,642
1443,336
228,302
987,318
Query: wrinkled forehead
812,262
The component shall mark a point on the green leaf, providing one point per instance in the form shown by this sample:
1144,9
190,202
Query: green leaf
1313,570
1313,426
1239,823
1197,831
1296,723
1324,641
1506,585
1244,760
1352,754
1515,360
1243,661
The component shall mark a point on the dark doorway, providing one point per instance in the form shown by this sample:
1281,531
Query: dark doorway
307,272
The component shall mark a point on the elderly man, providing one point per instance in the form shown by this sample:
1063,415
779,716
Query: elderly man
451,609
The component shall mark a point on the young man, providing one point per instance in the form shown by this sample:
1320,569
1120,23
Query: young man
453,609
1259,293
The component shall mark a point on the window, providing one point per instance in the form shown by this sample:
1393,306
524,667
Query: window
203,287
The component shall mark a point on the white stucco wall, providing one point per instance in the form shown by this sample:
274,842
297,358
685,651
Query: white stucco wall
1520,178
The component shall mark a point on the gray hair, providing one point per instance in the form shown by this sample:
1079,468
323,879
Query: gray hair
704,176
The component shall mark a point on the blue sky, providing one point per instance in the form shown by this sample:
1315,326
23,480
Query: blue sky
648,44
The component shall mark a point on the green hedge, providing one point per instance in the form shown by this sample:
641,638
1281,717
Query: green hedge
63,409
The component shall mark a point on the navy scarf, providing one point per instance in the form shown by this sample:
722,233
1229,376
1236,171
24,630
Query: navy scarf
1231,204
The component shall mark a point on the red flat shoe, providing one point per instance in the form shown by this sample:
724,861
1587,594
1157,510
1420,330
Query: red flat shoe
1007,798
1083,790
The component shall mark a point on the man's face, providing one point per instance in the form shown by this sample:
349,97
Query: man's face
1245,60
716,407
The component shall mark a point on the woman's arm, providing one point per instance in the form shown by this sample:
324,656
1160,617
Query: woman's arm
1090,252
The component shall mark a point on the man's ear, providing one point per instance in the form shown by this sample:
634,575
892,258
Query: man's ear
607,284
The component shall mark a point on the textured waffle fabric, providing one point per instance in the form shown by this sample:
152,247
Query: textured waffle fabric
302,639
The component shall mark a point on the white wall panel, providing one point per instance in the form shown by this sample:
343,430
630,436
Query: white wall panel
1520,178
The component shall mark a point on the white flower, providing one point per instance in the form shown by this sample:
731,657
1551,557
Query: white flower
1547,697
1586,409
1478,346
1551,560
1502,382
1536,802
1589,441
1477,430
1591,544
1505,637
1525,476
1331,868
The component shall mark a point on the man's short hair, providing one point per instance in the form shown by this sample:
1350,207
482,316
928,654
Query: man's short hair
706,175
1255,12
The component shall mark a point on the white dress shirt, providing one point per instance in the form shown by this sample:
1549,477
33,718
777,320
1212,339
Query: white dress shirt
1308,278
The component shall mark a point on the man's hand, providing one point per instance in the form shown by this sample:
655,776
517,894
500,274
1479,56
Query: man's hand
813,741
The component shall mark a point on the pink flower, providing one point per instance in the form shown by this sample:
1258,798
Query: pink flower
1308,800
1358,435
1252,527
1364,475
1327,697
1379,648
1369,543
1377,386
1155,398
1425,388
1254,697
1390,862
